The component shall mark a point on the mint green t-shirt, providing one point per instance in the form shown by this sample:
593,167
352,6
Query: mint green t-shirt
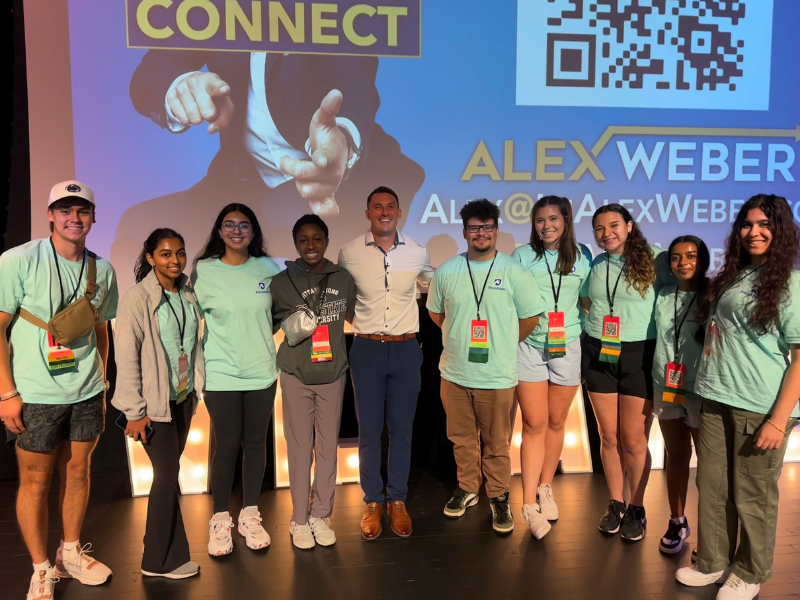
236,304
635,313
571,286
689,349
745,369
171,334
510,295
28,279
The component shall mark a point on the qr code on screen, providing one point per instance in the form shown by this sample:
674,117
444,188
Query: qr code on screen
645,53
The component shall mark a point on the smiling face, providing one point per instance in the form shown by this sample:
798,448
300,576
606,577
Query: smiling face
168,260
549,225
236,231
611,232
479,240
311,244
683,261
383,213
755,234
72,219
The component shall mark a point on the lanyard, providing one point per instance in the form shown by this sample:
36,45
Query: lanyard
679,325
181,326
478,300
609,295
61,284
730,287
556,293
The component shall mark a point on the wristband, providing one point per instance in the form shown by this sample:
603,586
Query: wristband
784,432
9,396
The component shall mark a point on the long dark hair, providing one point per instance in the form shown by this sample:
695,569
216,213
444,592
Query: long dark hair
215,246
567,246
783,255
703,264
640,265
143,268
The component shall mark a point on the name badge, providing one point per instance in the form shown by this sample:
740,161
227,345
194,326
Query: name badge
556,335
479,341
60,359
321,345
183,378
610,346
675,383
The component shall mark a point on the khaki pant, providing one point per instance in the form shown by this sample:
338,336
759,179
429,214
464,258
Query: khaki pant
473,414
738,487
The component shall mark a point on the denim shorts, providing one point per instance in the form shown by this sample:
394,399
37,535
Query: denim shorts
689,411
534,364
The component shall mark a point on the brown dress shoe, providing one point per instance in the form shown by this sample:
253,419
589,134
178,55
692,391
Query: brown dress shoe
371,521
398,517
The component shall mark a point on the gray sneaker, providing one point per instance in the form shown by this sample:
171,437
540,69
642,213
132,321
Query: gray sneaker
186,570
502,520
459,503
611,520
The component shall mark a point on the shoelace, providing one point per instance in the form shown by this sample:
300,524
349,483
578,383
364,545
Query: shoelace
252,522
673,531
320,524
38,587
400,508
304,528
222,530
371,510
548,495
83,555
734,582
628,517
529,513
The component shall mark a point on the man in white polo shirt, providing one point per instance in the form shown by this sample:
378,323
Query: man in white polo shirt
385,358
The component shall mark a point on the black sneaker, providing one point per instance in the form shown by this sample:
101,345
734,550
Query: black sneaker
672,542
502,521
633,523
459,503
694,556
613,517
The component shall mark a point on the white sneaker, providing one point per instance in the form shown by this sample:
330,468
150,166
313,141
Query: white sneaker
42,584
219,534
301,536
694,577
533,516
255,536
76,564
547,504
323,533
736,589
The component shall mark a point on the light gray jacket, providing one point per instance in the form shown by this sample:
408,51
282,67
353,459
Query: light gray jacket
142,374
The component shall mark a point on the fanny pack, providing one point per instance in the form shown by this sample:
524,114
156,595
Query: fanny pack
77,319
300,324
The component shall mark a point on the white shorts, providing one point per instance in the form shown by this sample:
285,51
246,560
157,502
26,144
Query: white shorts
689,411
535,365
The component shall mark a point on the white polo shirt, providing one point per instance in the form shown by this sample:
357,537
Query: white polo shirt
386,283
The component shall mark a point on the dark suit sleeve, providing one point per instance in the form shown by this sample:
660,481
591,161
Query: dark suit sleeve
154,76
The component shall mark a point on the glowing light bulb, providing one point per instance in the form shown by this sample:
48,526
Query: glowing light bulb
570,440
198,471
146,474
518,439
195,436
352,461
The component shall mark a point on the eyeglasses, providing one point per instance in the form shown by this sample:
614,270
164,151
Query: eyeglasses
488,228
244,227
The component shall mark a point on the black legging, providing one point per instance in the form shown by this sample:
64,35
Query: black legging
239,419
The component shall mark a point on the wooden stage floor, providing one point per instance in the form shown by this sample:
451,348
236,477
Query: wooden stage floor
459,559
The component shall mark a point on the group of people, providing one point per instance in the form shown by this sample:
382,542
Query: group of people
645,330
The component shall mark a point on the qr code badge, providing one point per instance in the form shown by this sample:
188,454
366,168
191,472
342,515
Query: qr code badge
479,331
675,378
695,54
611,330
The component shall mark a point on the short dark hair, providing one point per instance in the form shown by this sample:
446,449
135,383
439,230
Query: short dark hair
481,209
382,189
309,220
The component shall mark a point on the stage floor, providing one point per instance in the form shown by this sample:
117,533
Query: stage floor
443,558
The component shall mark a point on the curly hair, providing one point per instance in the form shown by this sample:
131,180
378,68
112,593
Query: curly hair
783,255
703,264
567,247
640,264
481,209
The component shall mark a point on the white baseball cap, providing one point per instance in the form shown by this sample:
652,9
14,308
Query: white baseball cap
71,189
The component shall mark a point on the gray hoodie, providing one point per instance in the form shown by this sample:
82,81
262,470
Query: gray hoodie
338,305
138,351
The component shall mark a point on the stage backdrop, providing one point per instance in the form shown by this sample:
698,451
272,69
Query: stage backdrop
678,109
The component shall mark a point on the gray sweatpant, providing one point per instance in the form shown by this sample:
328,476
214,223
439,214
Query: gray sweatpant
311,416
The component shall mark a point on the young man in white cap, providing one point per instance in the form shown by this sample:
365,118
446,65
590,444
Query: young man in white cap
52,378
